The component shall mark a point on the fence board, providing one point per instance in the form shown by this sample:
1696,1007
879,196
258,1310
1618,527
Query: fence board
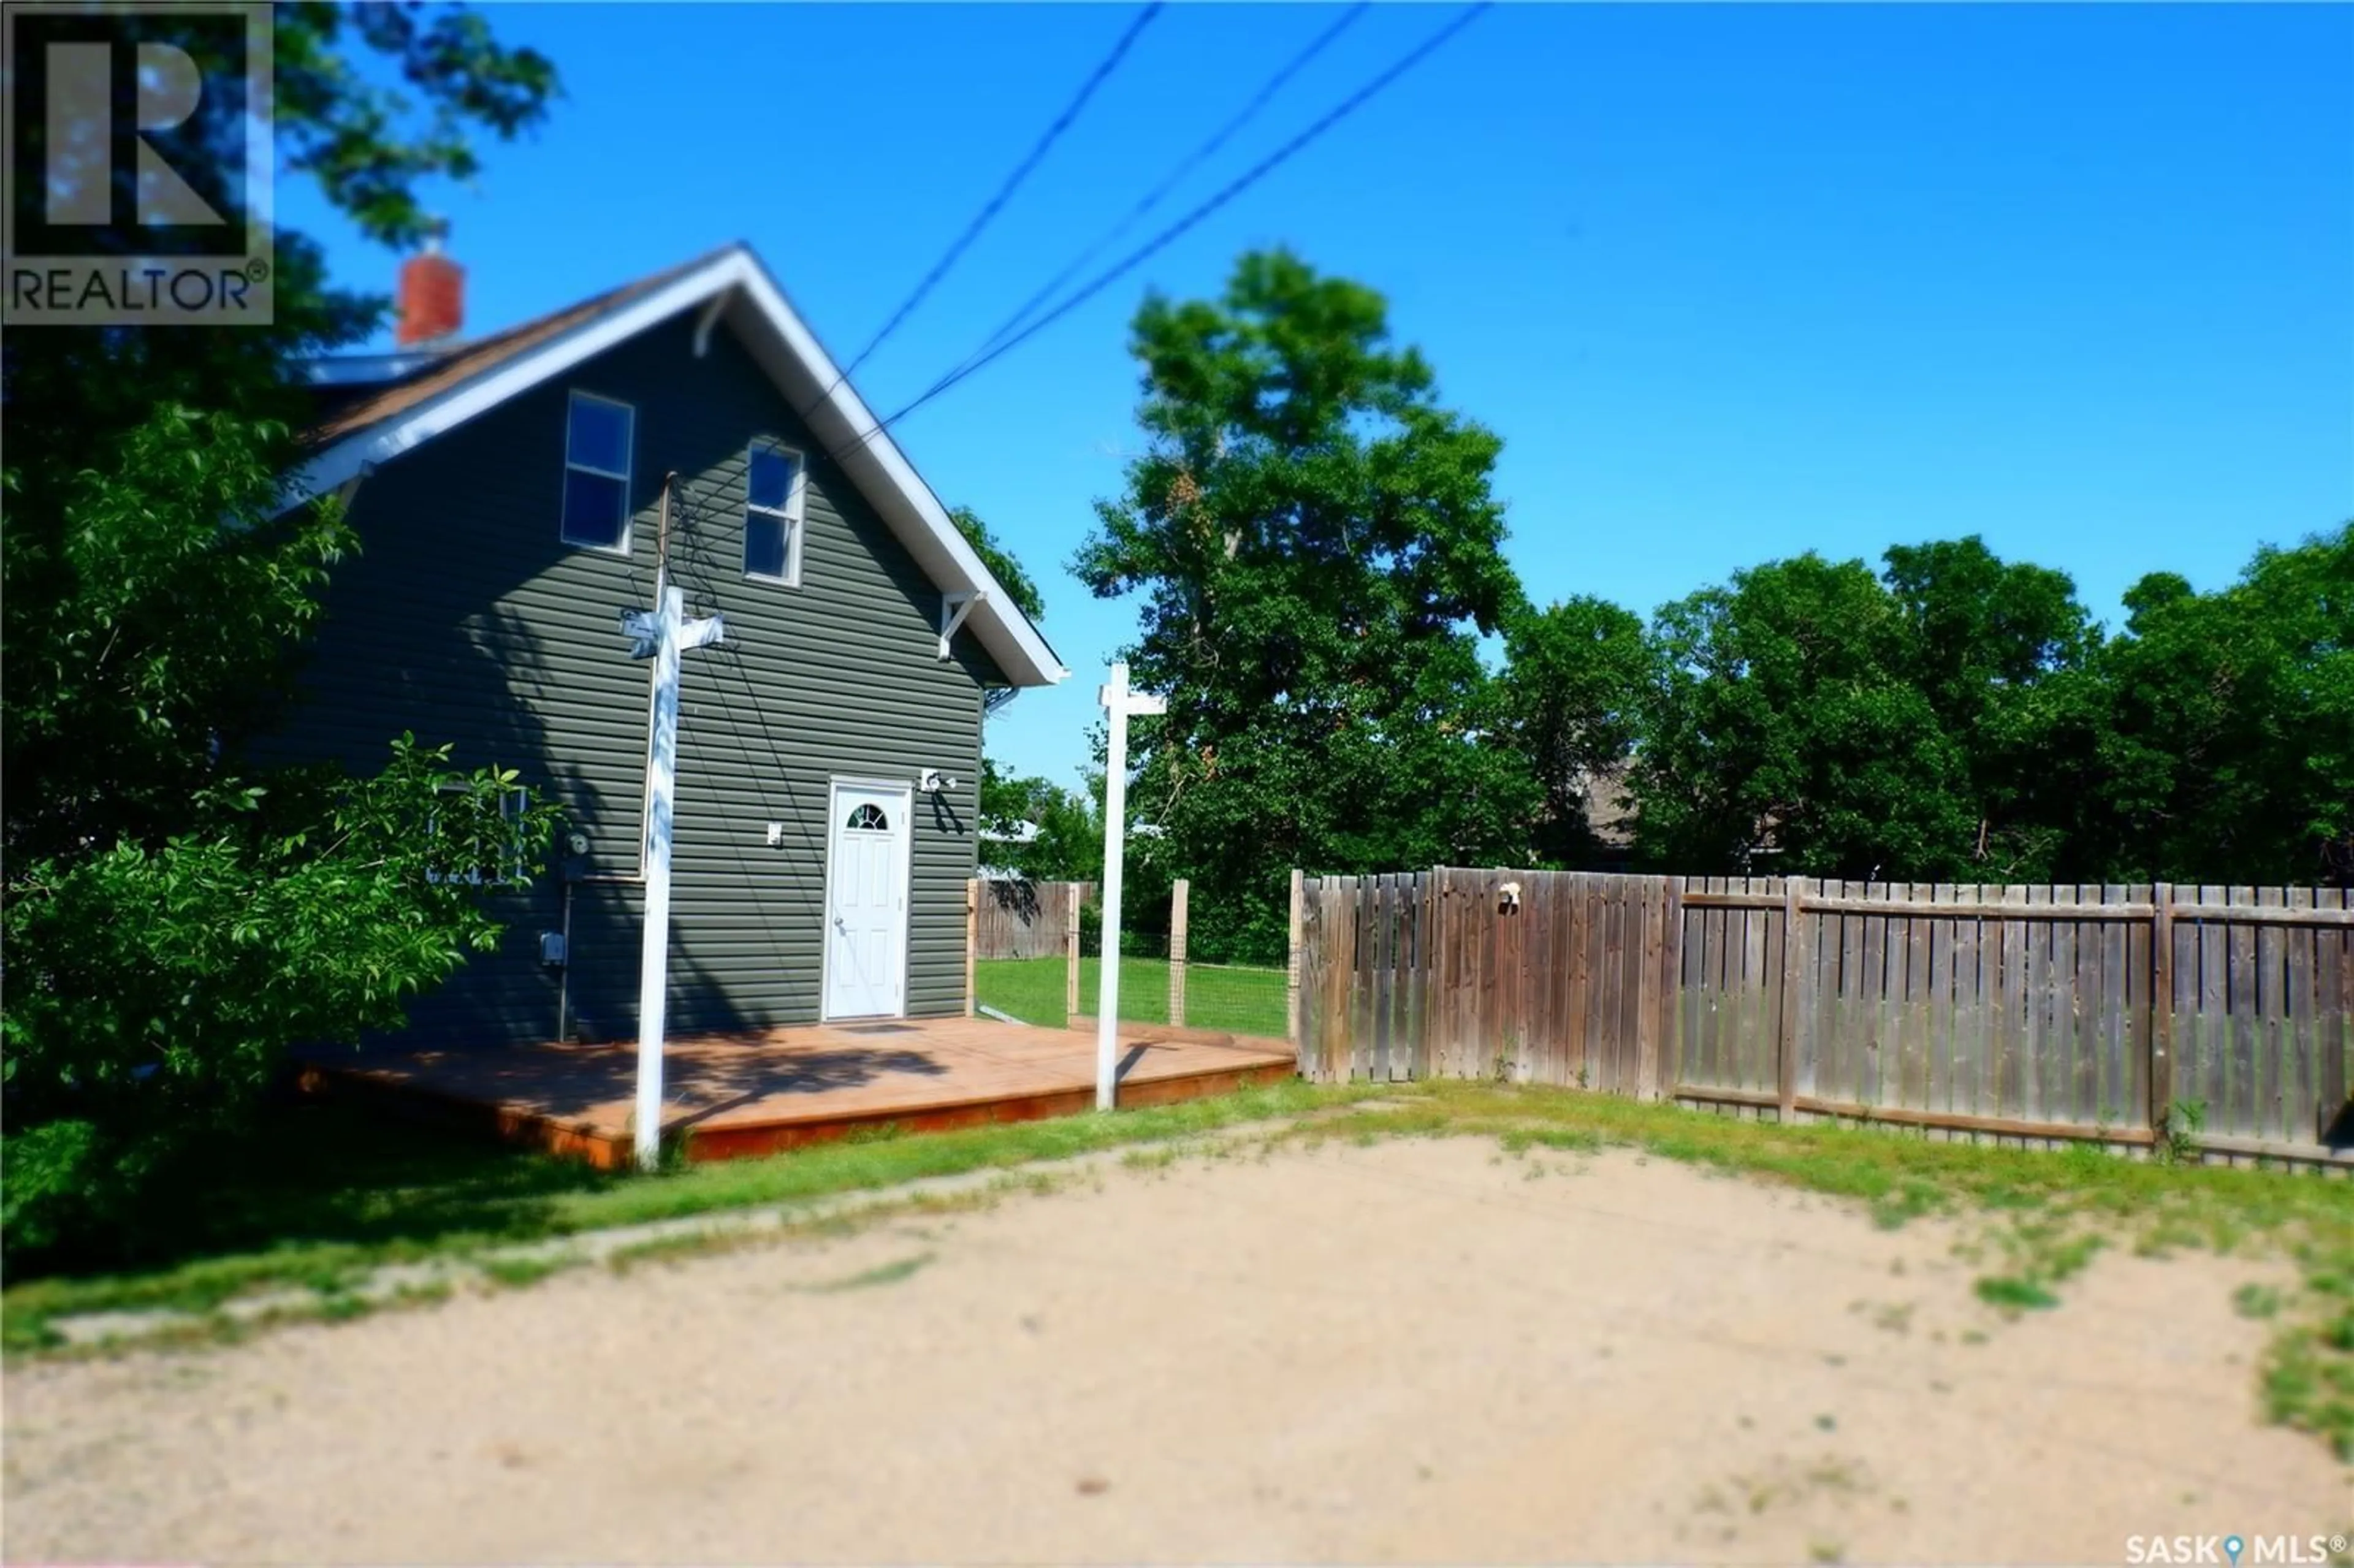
1593,951
2213,1083
1962,1044
2336,1109
1018,919
2124,955
1820,935
2272,963
1790,976
2029,1013
1382,907
1734,1023
1626,938
1455,997
2085,1002
2299,1049
2243,1117
2040,1050
1753,1026
1568,1019
1554,969
1938,994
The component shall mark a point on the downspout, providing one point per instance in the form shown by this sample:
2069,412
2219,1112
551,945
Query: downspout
564,975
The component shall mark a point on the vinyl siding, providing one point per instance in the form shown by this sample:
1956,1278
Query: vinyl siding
464,618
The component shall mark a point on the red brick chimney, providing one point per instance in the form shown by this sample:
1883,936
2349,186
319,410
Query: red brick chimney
432,303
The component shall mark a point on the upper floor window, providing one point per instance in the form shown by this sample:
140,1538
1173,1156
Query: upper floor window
597,442
774,488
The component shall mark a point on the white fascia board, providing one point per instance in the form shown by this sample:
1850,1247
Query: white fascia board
908,503
884,474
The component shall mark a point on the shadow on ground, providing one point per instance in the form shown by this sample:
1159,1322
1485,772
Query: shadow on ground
312,1172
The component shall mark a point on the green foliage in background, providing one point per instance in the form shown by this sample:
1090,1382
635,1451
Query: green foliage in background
175,916
1065,828
1579,674
1783,710
1316,552
2222,741
1959,718
1008,571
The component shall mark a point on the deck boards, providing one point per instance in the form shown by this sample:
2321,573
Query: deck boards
755,1094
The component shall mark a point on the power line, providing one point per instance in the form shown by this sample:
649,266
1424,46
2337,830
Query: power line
1022,171
1176,230
1185,165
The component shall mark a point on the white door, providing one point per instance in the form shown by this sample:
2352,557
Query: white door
866,902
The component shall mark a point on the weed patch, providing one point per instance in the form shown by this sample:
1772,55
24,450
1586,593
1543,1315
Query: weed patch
516,1273
883,1274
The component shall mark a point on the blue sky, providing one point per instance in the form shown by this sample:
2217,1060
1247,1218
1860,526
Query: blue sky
1731,282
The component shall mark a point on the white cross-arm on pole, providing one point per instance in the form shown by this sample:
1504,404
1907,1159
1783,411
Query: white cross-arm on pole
661,635
1118,705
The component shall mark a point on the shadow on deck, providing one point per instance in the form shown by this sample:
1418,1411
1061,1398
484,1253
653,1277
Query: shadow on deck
745,1094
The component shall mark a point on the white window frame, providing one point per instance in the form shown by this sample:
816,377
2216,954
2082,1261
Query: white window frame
792,513
628,462
512,803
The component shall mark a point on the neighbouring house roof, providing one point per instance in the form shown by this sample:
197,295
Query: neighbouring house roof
1609,813
363,425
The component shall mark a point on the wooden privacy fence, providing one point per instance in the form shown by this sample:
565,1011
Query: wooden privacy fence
2031,1012
1017,919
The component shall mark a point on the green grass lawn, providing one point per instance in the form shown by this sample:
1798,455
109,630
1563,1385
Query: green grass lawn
1244,1000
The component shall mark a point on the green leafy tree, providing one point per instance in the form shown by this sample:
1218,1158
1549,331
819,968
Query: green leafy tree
1578,676
1063,828
1999,649
1962,719
1785,720
174,918
2226,746
1315,547
999,561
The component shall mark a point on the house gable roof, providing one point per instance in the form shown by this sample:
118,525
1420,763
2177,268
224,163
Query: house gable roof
732,287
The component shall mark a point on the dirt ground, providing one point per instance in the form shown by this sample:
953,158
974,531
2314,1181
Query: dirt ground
1408,1351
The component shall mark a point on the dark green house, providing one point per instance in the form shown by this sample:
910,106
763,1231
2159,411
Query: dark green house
510,496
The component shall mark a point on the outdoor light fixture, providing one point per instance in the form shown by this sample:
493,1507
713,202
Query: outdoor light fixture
935,782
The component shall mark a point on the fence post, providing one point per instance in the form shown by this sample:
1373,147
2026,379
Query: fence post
1177,892
2161,1003
1072,897
971,942
1292,972
1794,940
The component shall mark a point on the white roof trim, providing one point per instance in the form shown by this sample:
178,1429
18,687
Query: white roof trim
803,371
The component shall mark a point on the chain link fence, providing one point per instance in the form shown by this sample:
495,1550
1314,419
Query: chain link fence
1236,999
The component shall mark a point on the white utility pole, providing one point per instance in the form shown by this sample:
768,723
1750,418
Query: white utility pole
1118,703
661,635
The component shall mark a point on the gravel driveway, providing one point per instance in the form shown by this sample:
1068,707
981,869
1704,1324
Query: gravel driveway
1413,1350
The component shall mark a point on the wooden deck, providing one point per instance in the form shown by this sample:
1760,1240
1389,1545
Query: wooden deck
755,1094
